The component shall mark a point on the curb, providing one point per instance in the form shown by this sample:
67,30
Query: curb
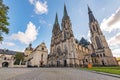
103,73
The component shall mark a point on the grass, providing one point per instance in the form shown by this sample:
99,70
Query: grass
112,70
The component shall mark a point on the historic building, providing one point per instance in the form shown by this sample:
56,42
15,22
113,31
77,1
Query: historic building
28,50
36,57
7,58
102,54
65,50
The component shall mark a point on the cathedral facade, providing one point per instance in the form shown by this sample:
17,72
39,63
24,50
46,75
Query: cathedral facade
65,50
63,46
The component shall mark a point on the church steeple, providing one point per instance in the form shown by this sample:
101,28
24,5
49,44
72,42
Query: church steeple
65,11
91,16
56,19
56,27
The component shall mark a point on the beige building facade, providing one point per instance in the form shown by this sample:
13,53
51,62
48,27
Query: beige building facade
38,57
7,58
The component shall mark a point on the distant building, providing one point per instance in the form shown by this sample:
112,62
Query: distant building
7,58
37,57
28,50
118,60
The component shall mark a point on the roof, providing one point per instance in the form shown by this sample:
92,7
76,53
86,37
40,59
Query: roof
84,42
8,52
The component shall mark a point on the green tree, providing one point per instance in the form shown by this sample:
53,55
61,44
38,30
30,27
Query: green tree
19,57
3,19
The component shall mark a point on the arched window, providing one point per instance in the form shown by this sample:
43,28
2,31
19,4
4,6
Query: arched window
41,56
94,28
65,35
99,45
58,50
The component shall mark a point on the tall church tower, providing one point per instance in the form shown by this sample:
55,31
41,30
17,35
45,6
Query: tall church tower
66,25
100,45
63,46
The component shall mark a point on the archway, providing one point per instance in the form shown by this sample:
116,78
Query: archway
5,64
103,63
58,63
65,63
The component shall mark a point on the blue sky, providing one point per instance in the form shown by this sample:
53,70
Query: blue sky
32,21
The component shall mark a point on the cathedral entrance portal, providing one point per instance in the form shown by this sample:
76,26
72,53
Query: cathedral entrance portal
65,63
5,64
58,63
103,63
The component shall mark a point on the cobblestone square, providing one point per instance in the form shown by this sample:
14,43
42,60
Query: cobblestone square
50,74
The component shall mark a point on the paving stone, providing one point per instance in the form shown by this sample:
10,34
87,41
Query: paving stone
50,74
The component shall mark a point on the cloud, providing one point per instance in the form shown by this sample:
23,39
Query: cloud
115,40
88,36
28,36
116,52
39,7
9,44
31,1
111,23
114,43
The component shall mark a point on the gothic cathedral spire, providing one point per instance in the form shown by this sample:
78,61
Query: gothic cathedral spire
56,19
65,11
56,27
98,40
91,16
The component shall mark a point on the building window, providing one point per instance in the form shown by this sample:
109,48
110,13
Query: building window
94,28
5,58
104,55
65,35
42,48
99,45
100,55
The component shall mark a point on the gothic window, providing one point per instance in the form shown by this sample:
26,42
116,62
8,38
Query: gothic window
41,56
86,60
65,48
94,28
103,54
58,50
100,55
99,45
65,35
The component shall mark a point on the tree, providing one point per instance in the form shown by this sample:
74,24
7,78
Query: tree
3,19
18,57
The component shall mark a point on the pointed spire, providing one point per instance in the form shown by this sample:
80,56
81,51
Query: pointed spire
91,16
56,24
65,11
89,10
56,19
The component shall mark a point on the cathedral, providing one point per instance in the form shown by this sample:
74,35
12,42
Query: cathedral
66,51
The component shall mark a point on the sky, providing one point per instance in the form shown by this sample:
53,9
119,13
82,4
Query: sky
31,21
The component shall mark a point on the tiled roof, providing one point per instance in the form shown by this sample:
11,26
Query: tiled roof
9,52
